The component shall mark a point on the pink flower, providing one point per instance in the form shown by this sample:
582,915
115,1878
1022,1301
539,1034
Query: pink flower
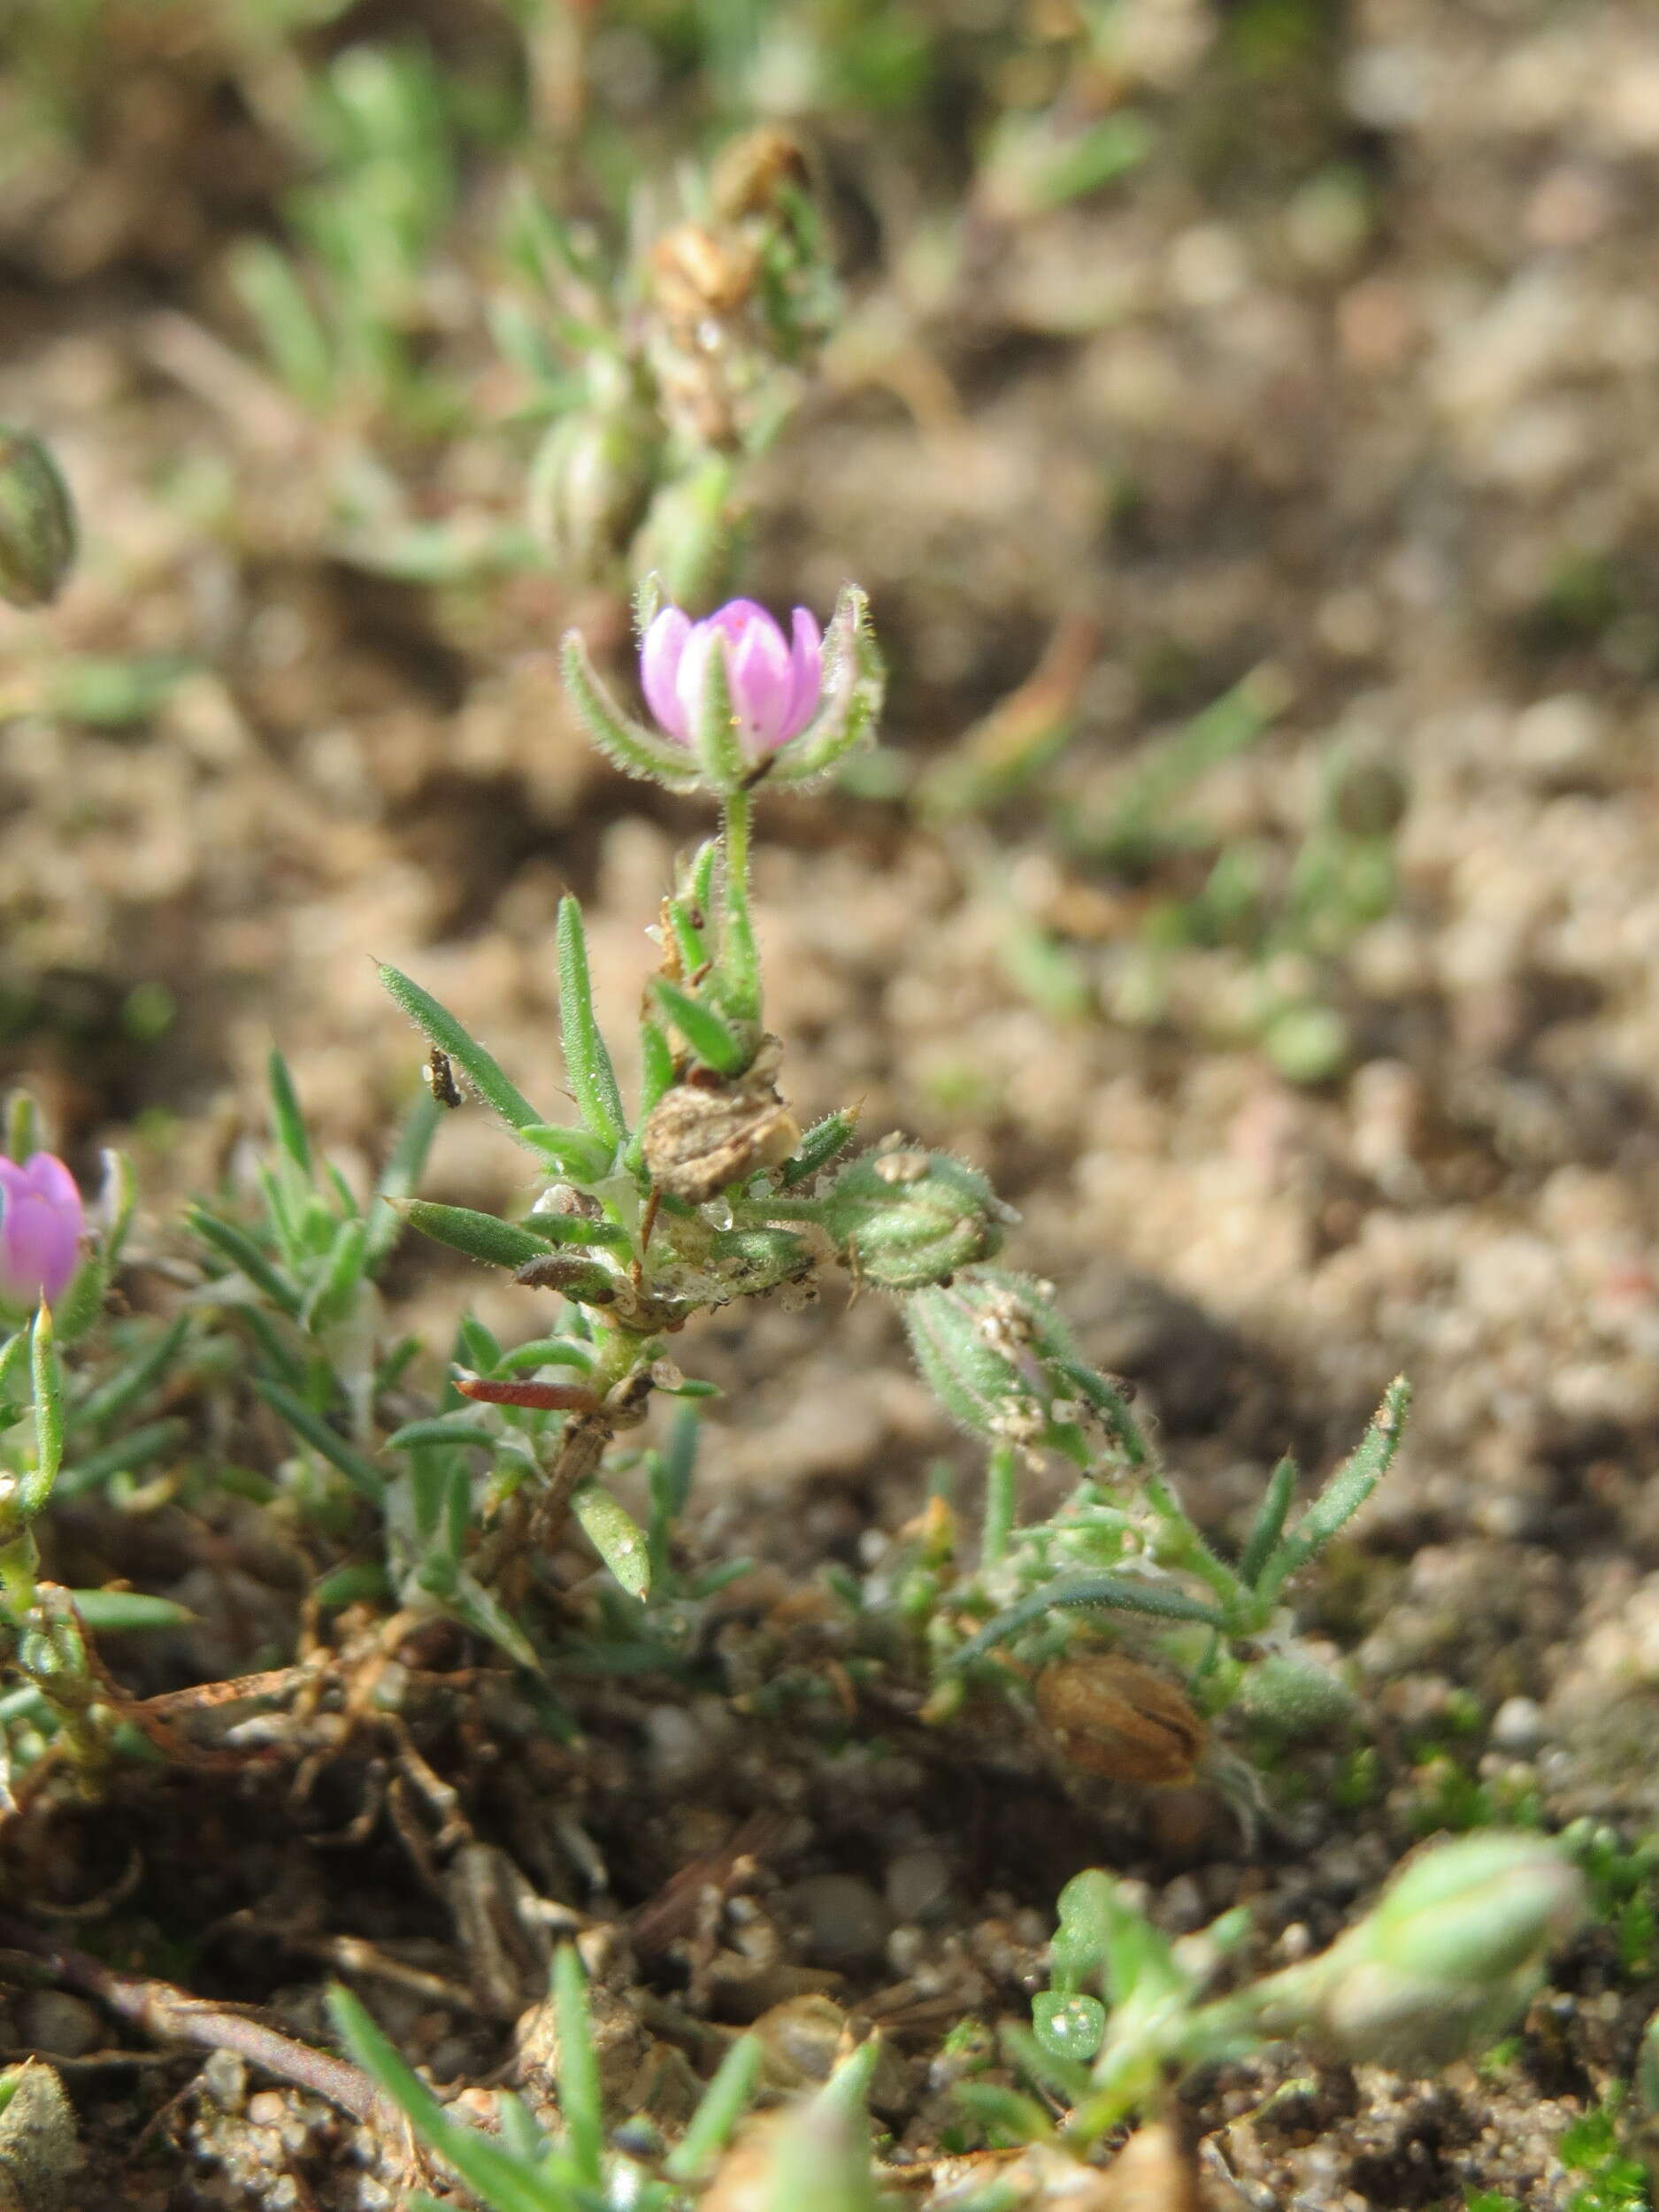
41,1223
775,686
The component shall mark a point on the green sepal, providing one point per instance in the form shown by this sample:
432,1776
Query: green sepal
854,684
35,1484
725,766
627,744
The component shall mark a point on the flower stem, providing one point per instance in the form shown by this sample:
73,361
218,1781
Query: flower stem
739,955
1001,1475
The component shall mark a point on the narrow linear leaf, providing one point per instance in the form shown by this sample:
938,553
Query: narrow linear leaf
481,1236
580,2100
1269,1524
713,1041
285,1111
546,1351
1343,1495
723,2104
1117,1591
341,1272
129,1384
440,1028
401,1176
358,1470
236,1246
495,2176
442,1429
593,1080
114,1612
616,1536
133,1449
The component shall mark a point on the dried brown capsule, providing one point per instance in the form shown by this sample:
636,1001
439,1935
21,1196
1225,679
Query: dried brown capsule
1117,1717
752,169
711,1131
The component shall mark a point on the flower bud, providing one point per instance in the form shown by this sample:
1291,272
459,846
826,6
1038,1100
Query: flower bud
983,1343
37,522
1443,1961
906,1219
590,483
41,1224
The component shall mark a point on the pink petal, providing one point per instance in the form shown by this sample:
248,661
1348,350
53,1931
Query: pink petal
806,671
762,682
661,657
692,674
738,615
54,1182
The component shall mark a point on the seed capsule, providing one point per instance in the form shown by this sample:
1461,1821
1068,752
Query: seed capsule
1116,1717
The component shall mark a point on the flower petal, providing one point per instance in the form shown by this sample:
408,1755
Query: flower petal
806,671
661,657
763,683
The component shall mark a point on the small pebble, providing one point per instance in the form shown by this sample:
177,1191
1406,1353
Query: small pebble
1517,1725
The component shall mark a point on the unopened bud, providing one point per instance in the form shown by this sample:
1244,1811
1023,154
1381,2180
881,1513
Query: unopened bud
1444,1961
37,522
906,1219
591,482
984,1343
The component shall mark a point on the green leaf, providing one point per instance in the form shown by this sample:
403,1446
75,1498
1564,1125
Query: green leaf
1343,1495
1269,1524
819,1147
343,1270
131,1450
238,1248
1162,1601
593,1080
723,2104
445,1428
493,2173
572,1152
400,1175
714,732
441,1029
616,1536
285,1109
713,1041
114,1612
581,2102
358,1470
127,1384
481,1236
545,1351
